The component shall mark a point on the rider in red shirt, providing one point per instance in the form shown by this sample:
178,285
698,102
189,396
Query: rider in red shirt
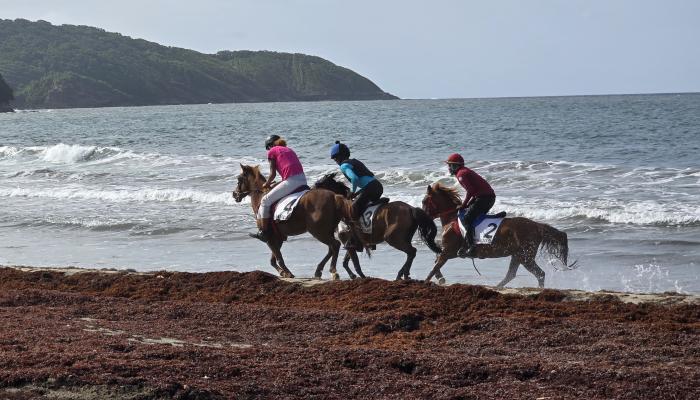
478,200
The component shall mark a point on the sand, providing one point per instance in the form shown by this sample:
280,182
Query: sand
84,334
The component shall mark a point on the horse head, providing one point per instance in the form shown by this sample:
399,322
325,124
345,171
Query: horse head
328,182
440,199
250,180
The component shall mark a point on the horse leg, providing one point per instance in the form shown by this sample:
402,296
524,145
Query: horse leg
406,247
512,269
333,249
273,262
411,254
276,248
356,263
439,277
346,261
402,241
535,269
439,262
321,265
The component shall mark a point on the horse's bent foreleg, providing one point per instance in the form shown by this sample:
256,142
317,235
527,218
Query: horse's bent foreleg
439,262
512,269
439,277
535,269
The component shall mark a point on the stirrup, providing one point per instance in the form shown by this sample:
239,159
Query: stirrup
465,252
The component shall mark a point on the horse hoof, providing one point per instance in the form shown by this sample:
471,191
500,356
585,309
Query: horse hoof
353,276
317,277
335,276
441,281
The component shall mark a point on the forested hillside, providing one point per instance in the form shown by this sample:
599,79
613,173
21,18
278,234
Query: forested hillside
78,66
5,95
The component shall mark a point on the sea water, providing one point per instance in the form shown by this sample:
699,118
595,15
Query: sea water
149,188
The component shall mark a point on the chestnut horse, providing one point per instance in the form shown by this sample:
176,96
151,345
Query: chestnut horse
395,223
318,213
520,238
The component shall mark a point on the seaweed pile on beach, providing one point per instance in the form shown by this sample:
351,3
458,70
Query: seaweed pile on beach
251,335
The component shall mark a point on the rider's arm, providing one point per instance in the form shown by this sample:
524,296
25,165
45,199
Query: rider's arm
354,179
273,173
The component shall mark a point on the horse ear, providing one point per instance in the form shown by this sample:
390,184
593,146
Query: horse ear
430,189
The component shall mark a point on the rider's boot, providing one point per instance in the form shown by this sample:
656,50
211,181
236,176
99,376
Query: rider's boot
468,247
263,232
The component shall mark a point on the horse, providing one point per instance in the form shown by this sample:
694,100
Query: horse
518,237
318,213
395,223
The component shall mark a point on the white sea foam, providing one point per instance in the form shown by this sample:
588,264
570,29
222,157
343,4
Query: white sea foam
124,195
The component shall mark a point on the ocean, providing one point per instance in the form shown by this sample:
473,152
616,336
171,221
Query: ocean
149,188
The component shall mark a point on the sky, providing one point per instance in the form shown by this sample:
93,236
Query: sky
430,48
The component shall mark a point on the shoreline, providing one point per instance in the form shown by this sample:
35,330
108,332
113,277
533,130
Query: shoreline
107,334
666,298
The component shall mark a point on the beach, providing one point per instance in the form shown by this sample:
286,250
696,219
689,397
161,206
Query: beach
80,333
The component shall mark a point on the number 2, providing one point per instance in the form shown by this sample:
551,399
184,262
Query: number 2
491,227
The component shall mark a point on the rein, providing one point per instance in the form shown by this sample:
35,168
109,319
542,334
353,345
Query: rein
434,213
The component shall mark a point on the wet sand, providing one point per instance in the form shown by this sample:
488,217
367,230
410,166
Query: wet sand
83,334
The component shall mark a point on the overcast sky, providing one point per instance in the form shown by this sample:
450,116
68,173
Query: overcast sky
430,48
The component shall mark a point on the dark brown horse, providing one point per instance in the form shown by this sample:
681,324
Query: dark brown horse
395,223
317,213
520,238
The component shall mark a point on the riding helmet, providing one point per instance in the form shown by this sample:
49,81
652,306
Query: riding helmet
340,150
455,159
270,141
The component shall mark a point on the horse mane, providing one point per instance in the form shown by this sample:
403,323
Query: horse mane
329,182
254,170
451,193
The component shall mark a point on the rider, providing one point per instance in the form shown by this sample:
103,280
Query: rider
285,161
360,176
478,201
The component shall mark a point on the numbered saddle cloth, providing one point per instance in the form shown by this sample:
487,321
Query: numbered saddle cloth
367,217
285,207
485,228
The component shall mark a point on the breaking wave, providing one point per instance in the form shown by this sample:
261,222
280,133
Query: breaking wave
118,196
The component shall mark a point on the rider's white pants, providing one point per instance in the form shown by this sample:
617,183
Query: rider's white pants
278,192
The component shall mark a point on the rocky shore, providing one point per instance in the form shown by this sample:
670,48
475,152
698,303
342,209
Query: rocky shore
84,334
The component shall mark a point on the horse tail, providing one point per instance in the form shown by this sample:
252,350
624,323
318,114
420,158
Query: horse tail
343,208
427,229
556,243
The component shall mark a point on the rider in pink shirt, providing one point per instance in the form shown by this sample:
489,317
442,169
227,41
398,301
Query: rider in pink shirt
284,161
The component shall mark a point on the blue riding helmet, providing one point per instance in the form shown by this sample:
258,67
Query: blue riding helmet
340,149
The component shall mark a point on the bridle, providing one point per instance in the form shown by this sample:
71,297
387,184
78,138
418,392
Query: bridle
433,211
236,193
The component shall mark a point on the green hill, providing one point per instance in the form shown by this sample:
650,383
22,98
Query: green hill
78,66
5,96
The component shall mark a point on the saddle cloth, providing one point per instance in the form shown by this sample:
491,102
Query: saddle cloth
367,217
284,208
485,227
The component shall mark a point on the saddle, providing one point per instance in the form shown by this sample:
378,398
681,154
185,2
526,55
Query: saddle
367,215
289,203
485,227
